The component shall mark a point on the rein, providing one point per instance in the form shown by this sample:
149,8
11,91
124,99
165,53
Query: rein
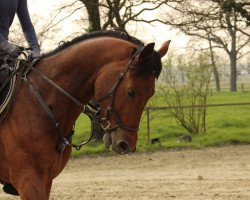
86,109
90,110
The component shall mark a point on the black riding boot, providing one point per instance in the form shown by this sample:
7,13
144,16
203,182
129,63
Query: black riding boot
9,189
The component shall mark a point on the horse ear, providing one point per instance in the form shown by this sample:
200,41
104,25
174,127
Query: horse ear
164,49
146,52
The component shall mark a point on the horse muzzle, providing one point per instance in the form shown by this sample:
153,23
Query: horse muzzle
118,142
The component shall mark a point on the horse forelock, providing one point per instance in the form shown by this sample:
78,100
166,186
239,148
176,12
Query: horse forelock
116,34
151,65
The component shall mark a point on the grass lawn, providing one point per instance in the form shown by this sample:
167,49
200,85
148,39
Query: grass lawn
225,125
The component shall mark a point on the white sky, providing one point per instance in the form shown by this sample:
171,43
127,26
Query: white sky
40,12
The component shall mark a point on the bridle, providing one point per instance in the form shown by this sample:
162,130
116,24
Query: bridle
90,110
111,94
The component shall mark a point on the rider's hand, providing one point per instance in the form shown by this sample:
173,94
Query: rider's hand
11,49
35,52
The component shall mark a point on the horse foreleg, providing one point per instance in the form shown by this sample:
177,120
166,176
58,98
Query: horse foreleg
48,188
30,186
33,190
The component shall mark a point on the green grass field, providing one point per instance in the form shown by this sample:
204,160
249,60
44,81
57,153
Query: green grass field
225,125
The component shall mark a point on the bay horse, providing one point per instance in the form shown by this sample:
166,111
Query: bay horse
117,70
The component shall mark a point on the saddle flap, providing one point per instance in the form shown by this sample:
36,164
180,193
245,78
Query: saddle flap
6,69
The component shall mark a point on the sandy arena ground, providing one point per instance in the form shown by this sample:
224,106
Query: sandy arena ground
213,173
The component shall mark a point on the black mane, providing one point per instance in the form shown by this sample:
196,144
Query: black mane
116,34
151,65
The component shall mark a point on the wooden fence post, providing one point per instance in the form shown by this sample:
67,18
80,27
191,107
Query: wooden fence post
148,126
242,87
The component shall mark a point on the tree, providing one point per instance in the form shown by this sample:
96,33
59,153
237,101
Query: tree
106,14
186,88
93,10
240,7
222,22
214,67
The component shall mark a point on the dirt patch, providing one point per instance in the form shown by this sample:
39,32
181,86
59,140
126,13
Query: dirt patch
213,173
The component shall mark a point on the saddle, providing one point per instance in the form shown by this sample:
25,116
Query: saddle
8,69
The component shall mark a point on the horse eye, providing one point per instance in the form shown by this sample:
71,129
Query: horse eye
131,93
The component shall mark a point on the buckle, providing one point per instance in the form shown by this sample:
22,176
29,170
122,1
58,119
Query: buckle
63,142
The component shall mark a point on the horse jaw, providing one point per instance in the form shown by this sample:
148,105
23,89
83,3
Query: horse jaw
164,49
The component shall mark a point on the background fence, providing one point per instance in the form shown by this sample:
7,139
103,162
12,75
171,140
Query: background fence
150,109
243,85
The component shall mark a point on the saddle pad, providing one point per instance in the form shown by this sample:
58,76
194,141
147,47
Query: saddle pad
7,93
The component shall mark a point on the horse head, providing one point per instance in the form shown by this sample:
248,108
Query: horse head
123,97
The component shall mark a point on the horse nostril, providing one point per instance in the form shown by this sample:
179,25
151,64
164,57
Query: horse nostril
123,148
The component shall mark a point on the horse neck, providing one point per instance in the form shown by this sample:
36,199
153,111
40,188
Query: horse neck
75,70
